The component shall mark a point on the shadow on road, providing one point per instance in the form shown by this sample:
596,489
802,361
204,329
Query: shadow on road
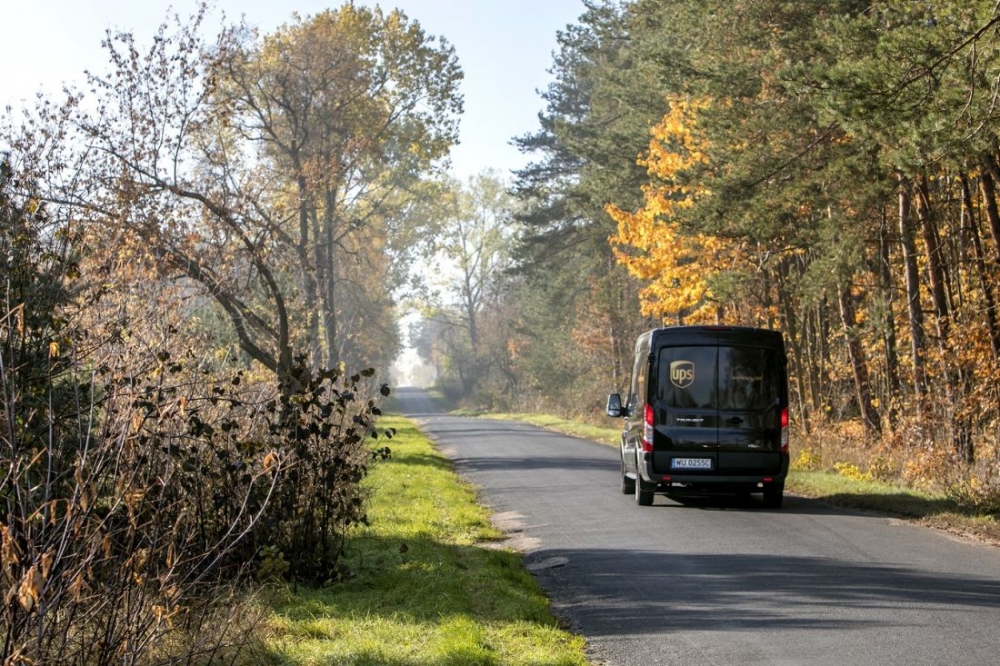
720,592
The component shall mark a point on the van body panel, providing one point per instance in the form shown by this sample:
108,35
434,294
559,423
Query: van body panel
717,395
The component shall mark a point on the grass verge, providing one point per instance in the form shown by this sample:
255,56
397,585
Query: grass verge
596,433
935,510
432,585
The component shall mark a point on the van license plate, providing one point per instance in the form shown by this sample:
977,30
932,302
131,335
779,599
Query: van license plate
691,463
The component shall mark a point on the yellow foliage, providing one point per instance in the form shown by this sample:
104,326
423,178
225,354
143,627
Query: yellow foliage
879,469
852,471
806,460
651,242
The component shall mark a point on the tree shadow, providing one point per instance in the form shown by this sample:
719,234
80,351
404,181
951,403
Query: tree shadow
742,591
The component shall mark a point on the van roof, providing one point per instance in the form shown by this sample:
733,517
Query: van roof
764,337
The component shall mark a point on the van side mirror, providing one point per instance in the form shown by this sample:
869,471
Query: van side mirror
615,408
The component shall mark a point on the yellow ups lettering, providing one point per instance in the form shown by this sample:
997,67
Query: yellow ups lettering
682,373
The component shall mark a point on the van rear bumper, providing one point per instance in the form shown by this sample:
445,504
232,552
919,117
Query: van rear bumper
719,482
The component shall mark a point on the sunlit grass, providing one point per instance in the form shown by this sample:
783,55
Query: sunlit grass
431,586
932,509
605,435
866,494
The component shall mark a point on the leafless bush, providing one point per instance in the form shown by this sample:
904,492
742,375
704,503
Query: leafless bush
105,548
138,488
161,490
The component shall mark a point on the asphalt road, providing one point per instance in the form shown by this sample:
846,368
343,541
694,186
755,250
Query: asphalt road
720,582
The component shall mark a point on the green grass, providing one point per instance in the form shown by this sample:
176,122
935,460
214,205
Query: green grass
936,510
432,584
601,434
868,495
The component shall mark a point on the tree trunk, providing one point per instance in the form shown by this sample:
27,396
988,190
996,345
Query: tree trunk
987,184
916,315
972,225
889,324
309,268
859,367
935,263
793,336
960,438
327,251
815,356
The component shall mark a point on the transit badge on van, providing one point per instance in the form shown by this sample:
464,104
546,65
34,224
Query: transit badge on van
682,374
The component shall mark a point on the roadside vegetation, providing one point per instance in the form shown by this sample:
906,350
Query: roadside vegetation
431,582
196,321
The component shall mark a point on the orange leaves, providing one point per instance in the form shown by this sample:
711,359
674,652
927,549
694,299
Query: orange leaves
9,552
269,461
652,243
676,145
30,589
32,584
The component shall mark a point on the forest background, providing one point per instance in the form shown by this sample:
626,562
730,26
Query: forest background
824,169
208,250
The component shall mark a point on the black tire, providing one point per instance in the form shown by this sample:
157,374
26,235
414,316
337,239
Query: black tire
643,490
773,498
628,483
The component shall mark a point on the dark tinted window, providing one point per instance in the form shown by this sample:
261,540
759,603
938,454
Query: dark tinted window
686,377
717,377
637,393
748,378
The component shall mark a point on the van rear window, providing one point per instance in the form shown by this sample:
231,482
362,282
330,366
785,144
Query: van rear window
686,377
749,378
718,377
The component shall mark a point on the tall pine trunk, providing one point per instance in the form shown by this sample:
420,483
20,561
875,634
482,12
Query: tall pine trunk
987,184
935,263
958,427
793,336
914,310
859,366
888,325
985,282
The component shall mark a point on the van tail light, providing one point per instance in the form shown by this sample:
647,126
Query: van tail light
784,430
647,428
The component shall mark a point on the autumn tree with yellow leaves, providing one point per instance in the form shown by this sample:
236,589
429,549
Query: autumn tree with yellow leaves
347,111
657,243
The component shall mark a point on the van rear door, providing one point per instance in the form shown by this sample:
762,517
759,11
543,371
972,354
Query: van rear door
749,404
685,410
717,407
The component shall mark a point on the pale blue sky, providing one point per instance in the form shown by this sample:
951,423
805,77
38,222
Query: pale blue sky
504,46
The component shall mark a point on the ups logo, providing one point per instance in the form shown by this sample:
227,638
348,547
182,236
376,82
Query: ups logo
682,373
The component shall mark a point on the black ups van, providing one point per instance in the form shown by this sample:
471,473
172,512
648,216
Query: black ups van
707,411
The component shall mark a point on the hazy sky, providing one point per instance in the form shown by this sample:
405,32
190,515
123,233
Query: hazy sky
504,46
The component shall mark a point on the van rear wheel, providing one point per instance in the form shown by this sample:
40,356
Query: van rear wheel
643,491
628,483
773,498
